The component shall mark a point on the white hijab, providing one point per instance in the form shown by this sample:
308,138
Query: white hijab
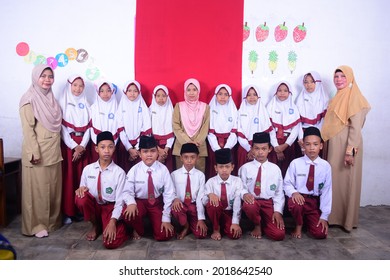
283,114
161,116
257,119
133,116
223,118
103,112
75,109
312,106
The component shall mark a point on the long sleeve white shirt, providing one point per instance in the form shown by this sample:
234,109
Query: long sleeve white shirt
197,179
271,182
136,186
233,190
296,178
112,184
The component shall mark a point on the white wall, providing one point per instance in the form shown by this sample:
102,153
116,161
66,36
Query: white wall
351,32
105,29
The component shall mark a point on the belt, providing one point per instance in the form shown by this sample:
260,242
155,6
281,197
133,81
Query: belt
75,133
310,196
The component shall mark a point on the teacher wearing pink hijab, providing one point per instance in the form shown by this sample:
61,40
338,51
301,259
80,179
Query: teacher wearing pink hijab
191,121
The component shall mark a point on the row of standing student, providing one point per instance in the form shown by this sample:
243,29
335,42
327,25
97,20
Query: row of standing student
189,121
112,201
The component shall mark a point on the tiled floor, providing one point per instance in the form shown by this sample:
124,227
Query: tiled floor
370,241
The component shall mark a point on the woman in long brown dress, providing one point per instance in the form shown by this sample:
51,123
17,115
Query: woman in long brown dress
342,126
41,117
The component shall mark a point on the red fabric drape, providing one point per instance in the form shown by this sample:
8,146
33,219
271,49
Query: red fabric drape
176,40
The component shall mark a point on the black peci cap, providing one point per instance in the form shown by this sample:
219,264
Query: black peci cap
147,142
223,156
105,135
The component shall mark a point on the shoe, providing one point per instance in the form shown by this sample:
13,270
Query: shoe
42,233
67,220
78,218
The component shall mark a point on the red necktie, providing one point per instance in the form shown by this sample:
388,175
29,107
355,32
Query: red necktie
99,187
310,178
224,201
280,133
257,189
151,197
187,197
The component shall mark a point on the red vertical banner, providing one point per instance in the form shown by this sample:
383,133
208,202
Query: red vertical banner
176,40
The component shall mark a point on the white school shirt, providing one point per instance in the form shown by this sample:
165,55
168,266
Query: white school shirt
112,183
103,117
75,115
197,179
136,186
271,182
133,120
233,190
223,119
296,178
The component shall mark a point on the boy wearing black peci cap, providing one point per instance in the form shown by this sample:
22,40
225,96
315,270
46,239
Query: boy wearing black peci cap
149,191
308,184
100,192
263,196
222,197
187,208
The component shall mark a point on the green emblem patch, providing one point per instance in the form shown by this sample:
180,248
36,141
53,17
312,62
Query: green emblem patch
109,190
272,187
320,186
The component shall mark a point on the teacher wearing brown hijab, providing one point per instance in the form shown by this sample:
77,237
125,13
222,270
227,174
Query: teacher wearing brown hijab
41,118
342,126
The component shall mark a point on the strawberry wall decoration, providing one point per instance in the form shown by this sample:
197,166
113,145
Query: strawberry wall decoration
246,31
262,32
299,33
281,32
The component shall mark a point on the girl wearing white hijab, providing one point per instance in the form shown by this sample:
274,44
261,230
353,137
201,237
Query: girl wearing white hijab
252,118
103,114
41,117
286,121
75,138
161,111
223,125
133,121
312,103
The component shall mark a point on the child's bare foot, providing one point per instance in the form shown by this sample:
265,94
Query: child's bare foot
136,236
184,232
256,232
216,235
92,233
297,233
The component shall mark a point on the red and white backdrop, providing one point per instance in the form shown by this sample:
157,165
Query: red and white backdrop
176,40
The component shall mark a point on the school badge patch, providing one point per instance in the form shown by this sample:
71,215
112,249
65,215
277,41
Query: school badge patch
111,116
109,190
272,187
320,186
188,195
161,190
